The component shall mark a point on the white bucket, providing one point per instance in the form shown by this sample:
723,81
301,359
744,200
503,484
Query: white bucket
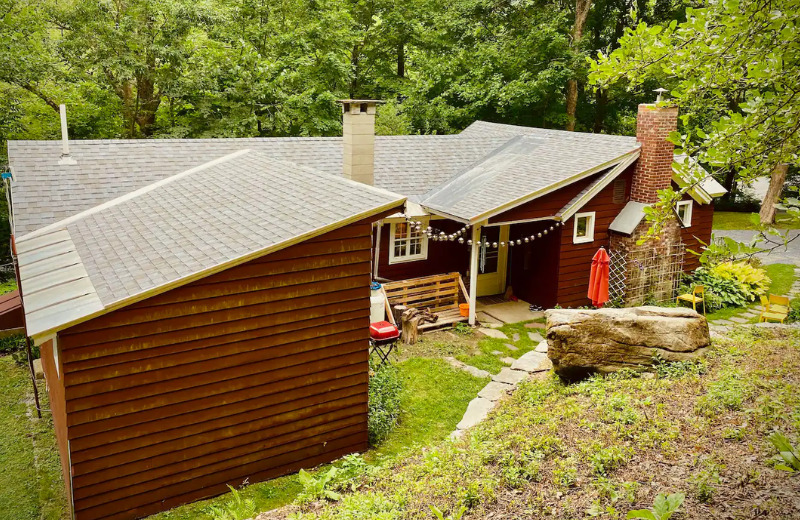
376,308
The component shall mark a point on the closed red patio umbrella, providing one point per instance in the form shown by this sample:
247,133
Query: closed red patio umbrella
598,279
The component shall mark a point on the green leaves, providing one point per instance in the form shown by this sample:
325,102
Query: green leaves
663,508
789,454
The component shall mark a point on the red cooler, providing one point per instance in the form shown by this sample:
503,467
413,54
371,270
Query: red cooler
382,331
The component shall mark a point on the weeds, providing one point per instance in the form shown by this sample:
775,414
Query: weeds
604,460
663,508
456,515
789,453
236,507
464,329
704,482
319,487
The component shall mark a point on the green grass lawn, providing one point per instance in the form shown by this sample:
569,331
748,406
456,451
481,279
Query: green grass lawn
727,220
30,473
8,286
435,396
486,358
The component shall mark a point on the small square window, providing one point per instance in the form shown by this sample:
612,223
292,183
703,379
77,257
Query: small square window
684,211
583,230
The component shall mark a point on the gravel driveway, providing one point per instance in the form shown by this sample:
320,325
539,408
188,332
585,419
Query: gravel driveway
782,255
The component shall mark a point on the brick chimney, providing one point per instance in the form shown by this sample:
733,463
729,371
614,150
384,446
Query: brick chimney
654,168
358,132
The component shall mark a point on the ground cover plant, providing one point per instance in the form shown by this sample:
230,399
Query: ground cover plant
30,473
609,446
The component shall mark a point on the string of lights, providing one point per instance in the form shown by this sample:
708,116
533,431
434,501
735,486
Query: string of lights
437,235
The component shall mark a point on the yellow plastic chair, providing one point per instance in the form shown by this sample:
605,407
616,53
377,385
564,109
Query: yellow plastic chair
694,298
773,311
778,303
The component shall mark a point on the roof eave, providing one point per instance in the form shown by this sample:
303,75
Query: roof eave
179,282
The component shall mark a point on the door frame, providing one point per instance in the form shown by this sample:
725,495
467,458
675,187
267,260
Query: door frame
495,283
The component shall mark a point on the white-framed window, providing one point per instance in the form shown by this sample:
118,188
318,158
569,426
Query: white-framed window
583,230
684,211
406,244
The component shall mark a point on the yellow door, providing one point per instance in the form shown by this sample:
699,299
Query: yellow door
492,261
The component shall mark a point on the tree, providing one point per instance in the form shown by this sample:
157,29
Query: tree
135,48
733,67
581,13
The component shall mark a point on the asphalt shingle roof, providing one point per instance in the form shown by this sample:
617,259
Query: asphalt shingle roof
45,191
533,161
220,214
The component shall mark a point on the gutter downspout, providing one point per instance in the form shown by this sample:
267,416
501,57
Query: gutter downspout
376,259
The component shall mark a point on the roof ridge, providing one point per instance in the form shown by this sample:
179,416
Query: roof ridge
61,224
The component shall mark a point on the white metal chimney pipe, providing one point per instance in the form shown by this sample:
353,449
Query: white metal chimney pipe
65,157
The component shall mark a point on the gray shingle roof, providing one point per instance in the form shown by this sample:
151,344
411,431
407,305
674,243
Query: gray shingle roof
209,218
45,192
531,163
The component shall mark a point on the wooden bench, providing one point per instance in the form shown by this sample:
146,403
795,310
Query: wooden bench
440,294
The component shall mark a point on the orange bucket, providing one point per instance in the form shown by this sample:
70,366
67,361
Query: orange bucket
463,309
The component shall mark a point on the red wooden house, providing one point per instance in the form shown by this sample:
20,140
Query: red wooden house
202,305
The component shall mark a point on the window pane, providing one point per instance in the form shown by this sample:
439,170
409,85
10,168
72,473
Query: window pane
415,247
682,212
400,248
401,230
583,224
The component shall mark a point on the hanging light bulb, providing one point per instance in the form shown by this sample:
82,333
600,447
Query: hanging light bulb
429,229
460,240
469,242
527,240
502,244
552,228
538,235
510,243
545,231
494,244
519,242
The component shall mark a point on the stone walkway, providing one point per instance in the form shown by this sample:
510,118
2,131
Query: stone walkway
502,384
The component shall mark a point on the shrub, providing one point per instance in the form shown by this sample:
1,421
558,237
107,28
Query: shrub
794,311
730,284
384,401
11,344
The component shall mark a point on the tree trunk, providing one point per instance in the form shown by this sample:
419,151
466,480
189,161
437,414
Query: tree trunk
776,182
401,60
581,12
730,185
601,101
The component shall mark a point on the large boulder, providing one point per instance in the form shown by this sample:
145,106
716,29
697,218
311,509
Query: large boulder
582,342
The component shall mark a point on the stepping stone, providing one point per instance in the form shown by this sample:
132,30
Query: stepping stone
508,360
509,346
495,390
477,372
477,410
492,333
542,347
748,315
497,353
536,337
509,376
488,321
737,319
535,325
723,322
515,337
533,362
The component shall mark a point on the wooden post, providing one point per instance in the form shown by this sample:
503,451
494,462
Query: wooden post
473,272
376,258
33,375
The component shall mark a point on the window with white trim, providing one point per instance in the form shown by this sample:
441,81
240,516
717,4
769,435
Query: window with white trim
684,211
583,230
407,243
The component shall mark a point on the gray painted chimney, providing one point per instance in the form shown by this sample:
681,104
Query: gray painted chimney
358,136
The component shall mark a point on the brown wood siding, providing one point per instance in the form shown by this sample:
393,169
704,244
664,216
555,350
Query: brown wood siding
701,228
576,259
55,392
250,373
443,257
